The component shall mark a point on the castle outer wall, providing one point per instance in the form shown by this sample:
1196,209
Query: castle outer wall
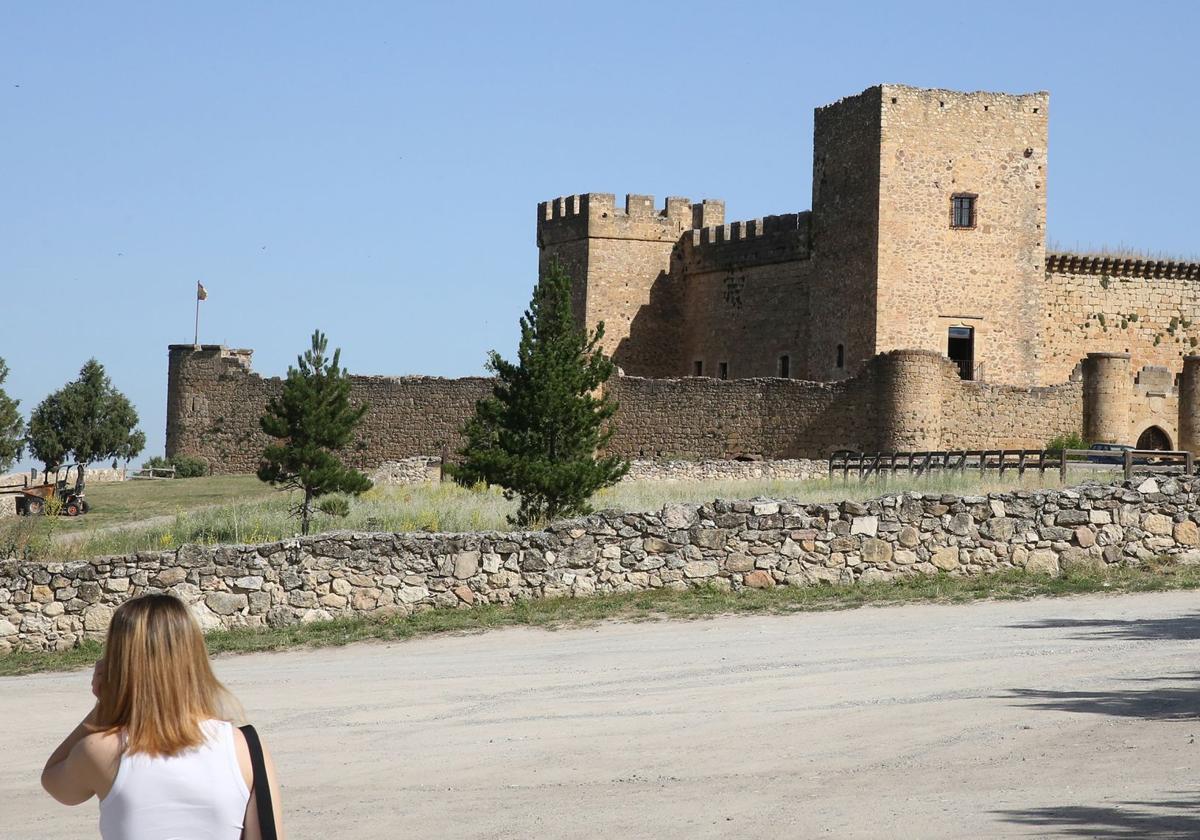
901,400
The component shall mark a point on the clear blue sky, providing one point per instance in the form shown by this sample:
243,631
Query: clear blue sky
372,169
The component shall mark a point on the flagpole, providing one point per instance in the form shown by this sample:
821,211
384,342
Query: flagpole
196,338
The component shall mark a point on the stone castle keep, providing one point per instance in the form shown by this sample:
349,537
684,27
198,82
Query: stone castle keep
913,307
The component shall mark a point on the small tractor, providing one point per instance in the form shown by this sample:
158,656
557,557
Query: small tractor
34,499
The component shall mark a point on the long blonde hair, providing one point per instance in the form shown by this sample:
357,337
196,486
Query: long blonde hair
157,683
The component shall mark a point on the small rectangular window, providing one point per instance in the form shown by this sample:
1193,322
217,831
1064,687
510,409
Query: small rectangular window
841,356
723,370
785,367
962,211
697,368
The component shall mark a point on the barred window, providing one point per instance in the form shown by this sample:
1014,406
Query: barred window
962,211
698,368
723,370
785,366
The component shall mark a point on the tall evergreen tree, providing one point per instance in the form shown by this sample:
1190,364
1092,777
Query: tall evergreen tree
312,420
12,426
87,419
538,435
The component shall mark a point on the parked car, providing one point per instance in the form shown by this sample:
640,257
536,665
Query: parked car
1114,453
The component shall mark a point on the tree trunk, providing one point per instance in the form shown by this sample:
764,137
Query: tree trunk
305,512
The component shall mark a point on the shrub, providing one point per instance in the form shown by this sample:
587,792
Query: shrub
1072,440
187,467
334,506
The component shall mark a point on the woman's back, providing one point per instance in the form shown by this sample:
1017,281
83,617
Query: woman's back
199,793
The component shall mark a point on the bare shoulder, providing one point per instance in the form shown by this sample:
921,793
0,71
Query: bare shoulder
99,757
100,748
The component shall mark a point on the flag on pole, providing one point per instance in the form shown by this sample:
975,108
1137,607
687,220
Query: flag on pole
201,292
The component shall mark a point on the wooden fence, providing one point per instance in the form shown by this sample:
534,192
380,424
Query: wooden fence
1000,462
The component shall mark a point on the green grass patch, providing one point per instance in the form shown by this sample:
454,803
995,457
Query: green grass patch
653,605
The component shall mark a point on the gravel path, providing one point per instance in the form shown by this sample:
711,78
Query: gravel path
1048,718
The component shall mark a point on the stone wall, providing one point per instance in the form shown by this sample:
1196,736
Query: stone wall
931,276
422,469
1147,308
621,260
427,469
214,402
746,298
899,400
780,469
756,544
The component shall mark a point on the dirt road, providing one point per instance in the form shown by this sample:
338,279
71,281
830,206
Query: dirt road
1069,717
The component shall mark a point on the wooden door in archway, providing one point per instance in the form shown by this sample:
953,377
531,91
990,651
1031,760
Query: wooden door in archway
1154,438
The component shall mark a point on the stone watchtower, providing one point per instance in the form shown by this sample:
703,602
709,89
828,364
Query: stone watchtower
927,232
622,263
928,229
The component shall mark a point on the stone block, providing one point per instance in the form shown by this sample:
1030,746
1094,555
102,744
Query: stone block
97,617
466,564
1187,533
759,580
945,558
866,525
226,603
876,551
1042,562
1157,524
739,563
700,569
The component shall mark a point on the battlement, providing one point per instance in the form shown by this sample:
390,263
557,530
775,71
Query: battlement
1121,266
1034,102
597,215
237,355
770,239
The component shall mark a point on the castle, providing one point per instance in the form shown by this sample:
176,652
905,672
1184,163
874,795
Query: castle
914,306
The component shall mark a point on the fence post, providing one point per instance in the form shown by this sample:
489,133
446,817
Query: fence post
1062,465
1128,459
1188,462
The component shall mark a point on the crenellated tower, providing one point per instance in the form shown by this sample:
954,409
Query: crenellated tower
622,262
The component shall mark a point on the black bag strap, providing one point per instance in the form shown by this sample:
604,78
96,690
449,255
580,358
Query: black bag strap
262,786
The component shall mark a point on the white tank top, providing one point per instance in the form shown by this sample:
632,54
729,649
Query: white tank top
198,794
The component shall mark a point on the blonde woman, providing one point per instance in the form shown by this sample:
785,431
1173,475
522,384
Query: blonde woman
158,749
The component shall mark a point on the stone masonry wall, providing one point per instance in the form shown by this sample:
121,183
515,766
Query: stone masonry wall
745,299
733,545
899,400
1147,308
427,469
214,403
936,144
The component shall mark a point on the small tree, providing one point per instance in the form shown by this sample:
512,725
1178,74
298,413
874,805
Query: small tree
538,434
312,420
88,419
12,426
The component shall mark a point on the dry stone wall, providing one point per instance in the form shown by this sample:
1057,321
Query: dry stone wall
427,469
761,543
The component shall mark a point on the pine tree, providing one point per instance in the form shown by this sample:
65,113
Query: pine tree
312,420
12,426
538,435
88,419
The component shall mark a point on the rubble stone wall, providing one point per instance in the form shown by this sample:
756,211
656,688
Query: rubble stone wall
732,545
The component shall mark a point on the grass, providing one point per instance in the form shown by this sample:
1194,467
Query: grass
1118,251
653,605
240,509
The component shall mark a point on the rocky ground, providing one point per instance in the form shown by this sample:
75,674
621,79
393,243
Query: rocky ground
1069,717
